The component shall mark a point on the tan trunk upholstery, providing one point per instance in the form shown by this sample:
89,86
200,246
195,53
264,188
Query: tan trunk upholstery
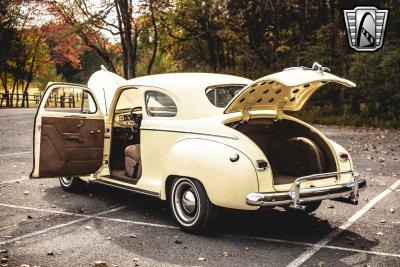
133,165
297,156
292,149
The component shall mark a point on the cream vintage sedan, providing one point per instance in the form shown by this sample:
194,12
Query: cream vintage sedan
200,141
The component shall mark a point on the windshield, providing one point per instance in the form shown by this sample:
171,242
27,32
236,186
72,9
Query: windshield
221,95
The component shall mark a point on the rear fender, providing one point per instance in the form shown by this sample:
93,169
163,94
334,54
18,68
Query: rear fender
227,182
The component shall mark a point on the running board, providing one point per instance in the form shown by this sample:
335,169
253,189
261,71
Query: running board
128,188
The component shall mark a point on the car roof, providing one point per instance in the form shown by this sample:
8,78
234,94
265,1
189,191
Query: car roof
175,82
188,90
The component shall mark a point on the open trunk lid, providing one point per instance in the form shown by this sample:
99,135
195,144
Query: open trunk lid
286,90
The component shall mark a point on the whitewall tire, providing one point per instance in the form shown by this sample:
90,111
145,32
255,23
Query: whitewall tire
72,184
190,205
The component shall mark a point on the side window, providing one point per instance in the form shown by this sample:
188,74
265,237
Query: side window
159,105
70,100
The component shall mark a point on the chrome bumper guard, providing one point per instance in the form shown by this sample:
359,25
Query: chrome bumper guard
347,192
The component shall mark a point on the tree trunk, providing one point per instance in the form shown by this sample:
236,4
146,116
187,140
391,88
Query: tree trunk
155,38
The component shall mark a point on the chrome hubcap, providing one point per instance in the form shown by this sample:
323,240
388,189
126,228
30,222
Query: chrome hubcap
189,201
186,201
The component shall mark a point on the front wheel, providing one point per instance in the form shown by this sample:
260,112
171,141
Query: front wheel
190,205
72,184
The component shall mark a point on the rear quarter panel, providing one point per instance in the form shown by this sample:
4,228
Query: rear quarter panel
227,183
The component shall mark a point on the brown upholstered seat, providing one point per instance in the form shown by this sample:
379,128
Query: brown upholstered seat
133,166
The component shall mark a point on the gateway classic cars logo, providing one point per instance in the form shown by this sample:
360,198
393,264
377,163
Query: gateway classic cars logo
365,27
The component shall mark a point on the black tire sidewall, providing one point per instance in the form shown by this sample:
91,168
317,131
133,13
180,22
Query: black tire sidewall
205,206
76,185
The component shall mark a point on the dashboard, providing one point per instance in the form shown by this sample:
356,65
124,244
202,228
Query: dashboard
123,118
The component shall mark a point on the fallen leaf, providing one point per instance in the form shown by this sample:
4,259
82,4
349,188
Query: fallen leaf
178,240
321,263
100,264
379,233
87,227
225,254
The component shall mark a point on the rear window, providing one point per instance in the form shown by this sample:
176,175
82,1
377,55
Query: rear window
221,95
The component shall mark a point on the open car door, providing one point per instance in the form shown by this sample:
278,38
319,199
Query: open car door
68,132
286,90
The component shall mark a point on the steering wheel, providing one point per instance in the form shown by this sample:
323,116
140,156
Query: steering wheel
136,119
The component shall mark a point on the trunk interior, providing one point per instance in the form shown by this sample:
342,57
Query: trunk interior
293,150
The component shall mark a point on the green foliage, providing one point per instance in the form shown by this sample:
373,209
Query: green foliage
50,75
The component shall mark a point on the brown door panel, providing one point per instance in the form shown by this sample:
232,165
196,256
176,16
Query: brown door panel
70,146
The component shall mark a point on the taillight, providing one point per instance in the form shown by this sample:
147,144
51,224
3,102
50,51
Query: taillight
343,156
262,164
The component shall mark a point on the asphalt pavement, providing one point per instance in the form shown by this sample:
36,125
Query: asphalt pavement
42,225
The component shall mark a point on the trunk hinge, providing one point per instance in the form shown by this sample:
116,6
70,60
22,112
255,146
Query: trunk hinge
279,109
245,113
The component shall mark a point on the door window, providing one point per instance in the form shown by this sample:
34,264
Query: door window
70,100
160,105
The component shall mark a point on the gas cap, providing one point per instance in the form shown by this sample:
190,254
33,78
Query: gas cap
234,157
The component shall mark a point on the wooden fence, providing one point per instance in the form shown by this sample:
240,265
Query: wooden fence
70,100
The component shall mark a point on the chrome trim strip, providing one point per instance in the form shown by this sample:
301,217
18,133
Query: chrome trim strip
189,132
296,196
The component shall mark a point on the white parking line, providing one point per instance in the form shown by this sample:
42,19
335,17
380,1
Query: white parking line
18,122
14,181
17,153
43,231
99,217
94,216
328,238
321,246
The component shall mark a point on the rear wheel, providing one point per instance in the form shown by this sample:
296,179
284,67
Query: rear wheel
72,184
190,205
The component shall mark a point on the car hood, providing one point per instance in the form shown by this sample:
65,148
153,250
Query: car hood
286,90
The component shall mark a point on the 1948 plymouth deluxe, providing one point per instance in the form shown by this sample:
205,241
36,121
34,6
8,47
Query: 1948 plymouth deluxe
200,141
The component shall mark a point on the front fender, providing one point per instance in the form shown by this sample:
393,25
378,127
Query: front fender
227,183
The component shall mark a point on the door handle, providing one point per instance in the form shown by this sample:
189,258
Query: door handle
81,122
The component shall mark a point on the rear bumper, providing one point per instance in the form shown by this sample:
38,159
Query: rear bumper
347,192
